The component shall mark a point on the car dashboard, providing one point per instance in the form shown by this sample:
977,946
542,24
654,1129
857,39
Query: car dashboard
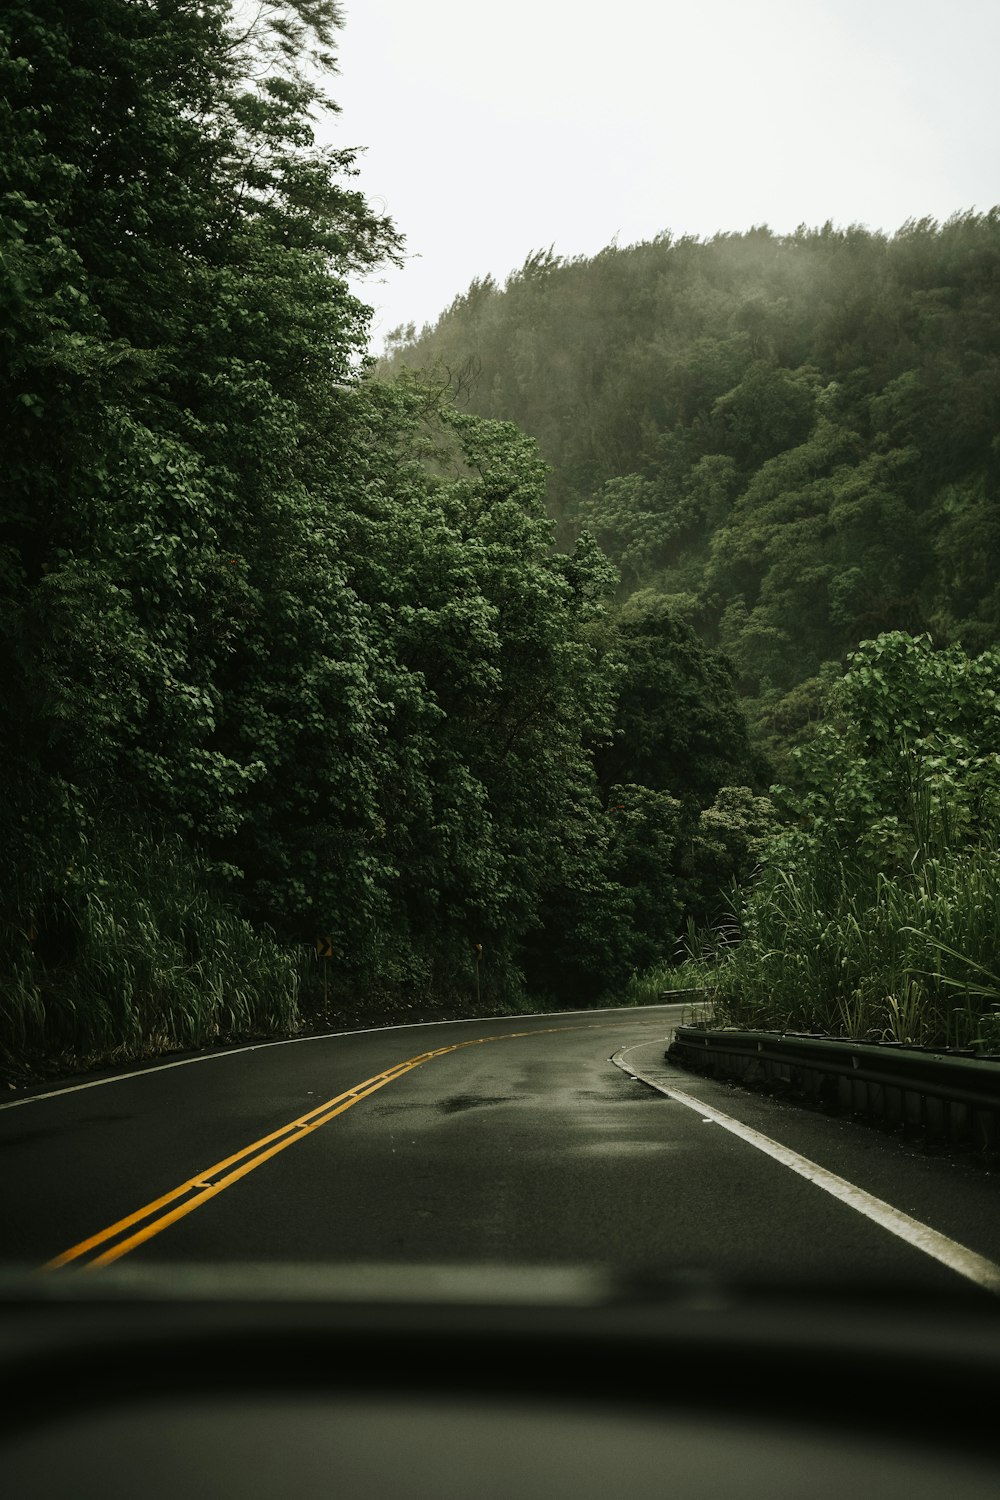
488,1382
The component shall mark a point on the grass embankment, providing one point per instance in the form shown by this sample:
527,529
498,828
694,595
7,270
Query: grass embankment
121,951
120,948
908,957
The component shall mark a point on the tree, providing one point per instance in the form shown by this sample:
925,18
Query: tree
678,727
175,317
906,754
173,252
794,436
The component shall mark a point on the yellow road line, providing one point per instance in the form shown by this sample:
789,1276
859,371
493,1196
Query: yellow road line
206,1184
202,1187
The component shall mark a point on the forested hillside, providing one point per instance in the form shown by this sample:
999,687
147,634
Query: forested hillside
288,654
476,670
794,439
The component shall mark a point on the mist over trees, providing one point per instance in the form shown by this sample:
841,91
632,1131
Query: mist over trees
792,439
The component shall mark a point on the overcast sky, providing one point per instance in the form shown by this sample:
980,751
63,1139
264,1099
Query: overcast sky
492,130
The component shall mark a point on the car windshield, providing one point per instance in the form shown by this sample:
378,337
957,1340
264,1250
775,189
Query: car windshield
501,773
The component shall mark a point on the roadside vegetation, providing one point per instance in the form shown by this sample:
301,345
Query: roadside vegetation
288,654
124,949
511,671
875,912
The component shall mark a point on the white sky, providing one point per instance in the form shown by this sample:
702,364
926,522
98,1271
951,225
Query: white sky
493,130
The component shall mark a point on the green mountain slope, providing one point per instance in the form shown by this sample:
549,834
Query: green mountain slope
794,438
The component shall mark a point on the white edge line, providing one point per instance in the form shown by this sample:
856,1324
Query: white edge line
986,1273
325,1036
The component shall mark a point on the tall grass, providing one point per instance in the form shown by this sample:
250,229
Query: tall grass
694,968
894,945
118,947
906,956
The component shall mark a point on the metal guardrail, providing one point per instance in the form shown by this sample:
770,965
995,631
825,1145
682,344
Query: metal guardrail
945,1098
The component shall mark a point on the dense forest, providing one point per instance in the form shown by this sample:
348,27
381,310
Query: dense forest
496,668
288,652
790,444
794,439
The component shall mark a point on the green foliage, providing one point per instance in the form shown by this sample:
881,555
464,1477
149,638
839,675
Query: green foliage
727,843
115,944
325,644
908,754
678,725
175,323
874,913
649,827
792,436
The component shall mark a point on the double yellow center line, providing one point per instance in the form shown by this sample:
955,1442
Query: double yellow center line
146,1222
134,1230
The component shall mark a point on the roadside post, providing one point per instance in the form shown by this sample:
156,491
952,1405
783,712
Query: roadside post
324,952
477,949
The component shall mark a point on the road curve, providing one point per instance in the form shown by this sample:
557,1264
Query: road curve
539,1141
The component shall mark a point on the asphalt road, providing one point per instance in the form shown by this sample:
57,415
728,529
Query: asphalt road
542,1141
